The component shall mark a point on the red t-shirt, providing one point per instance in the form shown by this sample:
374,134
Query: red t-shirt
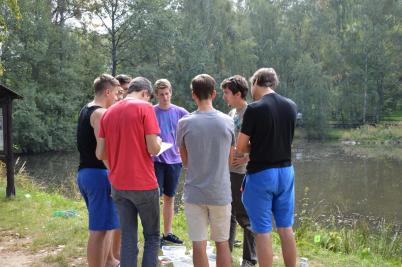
124,126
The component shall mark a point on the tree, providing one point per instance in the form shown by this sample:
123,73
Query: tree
312,93
115,16
6,6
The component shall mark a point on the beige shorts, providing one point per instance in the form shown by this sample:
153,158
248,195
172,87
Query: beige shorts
200,216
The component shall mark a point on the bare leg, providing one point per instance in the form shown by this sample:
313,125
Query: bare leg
116,243
223,258
200,258
264,249
168,211
288,244
110,260
96,248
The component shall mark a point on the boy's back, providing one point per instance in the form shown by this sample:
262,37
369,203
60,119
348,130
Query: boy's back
207,137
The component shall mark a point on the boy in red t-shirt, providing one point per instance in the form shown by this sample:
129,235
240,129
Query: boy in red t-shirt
128,137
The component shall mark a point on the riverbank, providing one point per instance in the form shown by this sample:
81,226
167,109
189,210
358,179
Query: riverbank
380,141
29,228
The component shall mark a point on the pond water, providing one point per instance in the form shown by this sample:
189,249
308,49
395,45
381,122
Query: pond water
335,181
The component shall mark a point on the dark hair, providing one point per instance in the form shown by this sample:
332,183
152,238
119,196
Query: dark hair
203,86
123,79
103,82
236,84
139,84
265,77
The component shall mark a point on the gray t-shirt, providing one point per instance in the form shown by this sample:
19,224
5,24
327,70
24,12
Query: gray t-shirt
207,137
237,116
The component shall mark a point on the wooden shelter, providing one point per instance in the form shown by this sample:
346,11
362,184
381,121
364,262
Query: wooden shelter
6,142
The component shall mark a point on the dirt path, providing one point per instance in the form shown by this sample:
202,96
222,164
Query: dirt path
14,250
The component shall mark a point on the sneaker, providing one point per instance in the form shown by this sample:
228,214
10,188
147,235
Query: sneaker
246,263
171,238
163,242
237,244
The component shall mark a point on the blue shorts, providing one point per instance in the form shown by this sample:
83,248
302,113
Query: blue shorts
96,191
266,193
168,177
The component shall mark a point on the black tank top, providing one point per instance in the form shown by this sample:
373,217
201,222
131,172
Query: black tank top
86,141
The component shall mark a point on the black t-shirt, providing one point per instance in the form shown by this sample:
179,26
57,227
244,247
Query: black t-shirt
270,123
86,140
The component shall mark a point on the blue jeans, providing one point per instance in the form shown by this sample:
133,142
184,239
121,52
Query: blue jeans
130,204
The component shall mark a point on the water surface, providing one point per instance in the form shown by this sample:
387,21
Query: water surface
335,180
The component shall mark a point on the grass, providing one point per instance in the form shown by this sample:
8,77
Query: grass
376,244
32,216
381,133
380,141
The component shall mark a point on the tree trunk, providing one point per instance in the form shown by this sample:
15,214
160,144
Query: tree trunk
365,89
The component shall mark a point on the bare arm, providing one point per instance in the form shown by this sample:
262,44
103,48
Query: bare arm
100,151
153,144
231,155
243,143
183,155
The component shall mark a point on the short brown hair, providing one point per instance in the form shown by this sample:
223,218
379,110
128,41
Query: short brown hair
162,84
123,79
265,77
236,84
103,82
203,86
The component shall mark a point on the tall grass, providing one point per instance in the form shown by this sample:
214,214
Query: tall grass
357,237
378,133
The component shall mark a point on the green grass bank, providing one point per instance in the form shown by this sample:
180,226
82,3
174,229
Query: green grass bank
383,140
29,220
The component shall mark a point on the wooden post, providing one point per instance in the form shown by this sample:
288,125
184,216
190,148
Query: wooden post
8,149
6,152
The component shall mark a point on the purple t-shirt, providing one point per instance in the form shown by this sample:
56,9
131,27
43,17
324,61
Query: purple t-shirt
168,119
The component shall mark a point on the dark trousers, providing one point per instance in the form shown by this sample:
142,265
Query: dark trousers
239,215
130,204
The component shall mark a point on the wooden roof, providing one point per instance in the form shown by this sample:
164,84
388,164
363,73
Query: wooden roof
6,91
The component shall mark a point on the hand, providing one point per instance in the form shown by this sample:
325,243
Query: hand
159,140
238,161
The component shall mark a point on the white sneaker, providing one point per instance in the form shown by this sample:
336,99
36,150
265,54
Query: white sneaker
246,263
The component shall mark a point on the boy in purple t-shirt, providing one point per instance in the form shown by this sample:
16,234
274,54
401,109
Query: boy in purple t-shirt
168,165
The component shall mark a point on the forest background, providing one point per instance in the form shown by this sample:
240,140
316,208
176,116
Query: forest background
340,60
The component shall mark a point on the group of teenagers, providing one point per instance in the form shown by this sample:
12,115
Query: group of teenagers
237,169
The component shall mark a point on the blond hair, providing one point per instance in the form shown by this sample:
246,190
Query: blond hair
162,84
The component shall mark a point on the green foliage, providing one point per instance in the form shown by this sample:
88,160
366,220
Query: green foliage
7,8
312,90
337,59
47,63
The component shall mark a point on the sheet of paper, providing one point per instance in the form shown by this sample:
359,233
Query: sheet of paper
164,147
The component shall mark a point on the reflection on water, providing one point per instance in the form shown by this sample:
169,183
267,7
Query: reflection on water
355,185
